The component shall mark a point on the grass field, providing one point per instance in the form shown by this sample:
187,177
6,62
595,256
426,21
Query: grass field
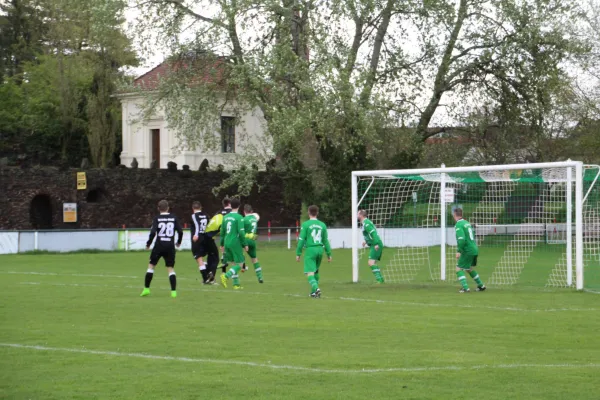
73,327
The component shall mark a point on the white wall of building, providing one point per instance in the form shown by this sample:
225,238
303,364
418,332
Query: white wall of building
137,139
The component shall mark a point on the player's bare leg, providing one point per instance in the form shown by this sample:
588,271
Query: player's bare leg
148,280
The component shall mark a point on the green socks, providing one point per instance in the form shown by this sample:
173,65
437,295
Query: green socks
258,271
476,278
317,277
314,285
462,279
233,271
377,272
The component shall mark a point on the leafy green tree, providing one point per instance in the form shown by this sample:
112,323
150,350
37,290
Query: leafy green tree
54,109
68,71
21,35
11,111
110,50
288,60
493,48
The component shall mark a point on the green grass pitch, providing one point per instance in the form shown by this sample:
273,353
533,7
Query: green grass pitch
73,327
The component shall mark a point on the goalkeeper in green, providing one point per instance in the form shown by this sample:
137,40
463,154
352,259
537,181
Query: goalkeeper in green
467,252
233,243
313,236
251,228
374,242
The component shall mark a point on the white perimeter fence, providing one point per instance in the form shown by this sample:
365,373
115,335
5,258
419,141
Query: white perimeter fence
12,242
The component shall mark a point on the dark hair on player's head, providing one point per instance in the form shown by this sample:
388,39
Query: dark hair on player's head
248,208
163,206
235,203
196,205
226,202
362,213
313,211
458,212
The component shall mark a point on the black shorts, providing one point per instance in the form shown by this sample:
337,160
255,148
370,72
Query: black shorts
167,254
210,246
199,249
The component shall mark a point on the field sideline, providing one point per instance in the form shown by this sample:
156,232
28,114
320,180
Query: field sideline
73,327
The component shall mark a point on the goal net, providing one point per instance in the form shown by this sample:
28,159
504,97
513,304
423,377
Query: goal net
535,224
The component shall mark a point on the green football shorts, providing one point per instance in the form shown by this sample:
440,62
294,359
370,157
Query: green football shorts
375,254
234,253
466,261
251,248
312,259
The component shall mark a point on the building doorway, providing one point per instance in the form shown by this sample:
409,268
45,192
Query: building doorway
155,151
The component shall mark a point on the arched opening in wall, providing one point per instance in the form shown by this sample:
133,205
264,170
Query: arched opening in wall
96,196
40,212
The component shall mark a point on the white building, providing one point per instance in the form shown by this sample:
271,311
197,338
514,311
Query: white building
152,139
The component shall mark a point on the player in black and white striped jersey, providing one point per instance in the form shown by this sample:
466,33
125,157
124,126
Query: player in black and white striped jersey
201,246
164,227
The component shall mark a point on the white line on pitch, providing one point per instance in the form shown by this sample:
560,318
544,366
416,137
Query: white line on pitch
80,275
294,367
404,303
56,274
478,306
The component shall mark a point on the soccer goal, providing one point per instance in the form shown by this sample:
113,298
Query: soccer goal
535,224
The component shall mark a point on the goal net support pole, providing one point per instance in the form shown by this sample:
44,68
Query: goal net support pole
443,224
578,225
399,195
569,257
355,232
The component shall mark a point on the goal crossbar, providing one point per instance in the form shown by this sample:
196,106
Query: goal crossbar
476,168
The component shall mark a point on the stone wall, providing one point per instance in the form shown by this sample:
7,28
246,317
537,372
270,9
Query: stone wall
32,198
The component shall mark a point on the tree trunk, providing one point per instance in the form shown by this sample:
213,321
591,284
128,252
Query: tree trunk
440,85
365,95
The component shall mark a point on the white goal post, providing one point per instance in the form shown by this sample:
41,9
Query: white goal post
529,220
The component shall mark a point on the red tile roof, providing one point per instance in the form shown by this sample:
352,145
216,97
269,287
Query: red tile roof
205,72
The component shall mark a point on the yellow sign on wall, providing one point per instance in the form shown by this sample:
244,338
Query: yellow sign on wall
81,181
69,212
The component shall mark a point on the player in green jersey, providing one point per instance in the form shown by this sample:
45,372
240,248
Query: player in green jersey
313,236
251,228
374,242
467,252
233,243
